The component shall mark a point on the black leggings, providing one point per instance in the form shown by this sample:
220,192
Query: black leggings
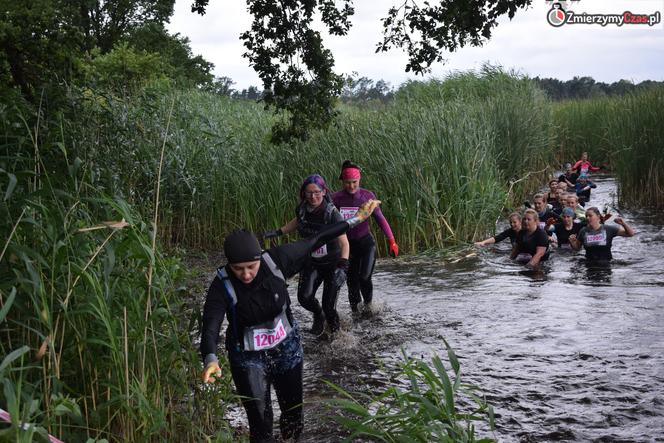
310,279
254,372
360,267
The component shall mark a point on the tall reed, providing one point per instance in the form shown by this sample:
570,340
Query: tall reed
623,132
74,292
441,156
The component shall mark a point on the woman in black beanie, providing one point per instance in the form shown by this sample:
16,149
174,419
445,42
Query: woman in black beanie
262,338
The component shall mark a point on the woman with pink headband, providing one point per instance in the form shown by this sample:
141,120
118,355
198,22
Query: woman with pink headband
362,244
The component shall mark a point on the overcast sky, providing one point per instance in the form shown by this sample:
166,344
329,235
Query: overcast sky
527,43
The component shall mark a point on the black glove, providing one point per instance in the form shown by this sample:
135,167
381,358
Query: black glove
340,272
271,234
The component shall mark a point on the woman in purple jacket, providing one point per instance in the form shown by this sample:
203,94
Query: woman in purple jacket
362,244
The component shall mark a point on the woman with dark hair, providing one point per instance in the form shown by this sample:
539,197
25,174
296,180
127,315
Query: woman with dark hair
362,244
262,338
329,263
597,238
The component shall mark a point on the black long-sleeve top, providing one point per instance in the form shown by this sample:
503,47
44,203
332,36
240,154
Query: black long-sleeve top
264,297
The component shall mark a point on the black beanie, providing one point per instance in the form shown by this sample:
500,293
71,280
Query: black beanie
242,246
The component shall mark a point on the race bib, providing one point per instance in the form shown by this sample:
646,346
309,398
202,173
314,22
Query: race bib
268,338
596,239
320,252
348,212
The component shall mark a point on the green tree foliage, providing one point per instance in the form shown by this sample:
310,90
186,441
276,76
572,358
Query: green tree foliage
36,41
295,67
126,66
587,87
105,22
47,42
185,68
297,70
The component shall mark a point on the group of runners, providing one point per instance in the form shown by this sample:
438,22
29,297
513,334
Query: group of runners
563,218
263,338
336,247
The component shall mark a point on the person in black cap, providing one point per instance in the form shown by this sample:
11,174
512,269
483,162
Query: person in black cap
262,338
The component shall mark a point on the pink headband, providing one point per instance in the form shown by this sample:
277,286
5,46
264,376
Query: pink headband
350,174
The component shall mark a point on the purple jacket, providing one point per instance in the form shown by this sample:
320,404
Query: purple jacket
348,204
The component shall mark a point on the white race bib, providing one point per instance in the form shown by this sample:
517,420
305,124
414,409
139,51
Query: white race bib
268,338
596,239
320,252
348,212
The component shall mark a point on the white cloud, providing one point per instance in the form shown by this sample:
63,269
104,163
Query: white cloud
527,43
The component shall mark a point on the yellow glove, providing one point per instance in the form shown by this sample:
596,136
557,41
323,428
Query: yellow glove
366,209
211,371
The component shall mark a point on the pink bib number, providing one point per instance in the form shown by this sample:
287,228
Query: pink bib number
269,338
348,212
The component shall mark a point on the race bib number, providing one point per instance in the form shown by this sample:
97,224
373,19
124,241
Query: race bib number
347,212
320,252
596,239
268,338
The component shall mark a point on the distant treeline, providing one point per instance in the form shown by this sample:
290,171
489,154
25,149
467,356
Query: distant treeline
358,89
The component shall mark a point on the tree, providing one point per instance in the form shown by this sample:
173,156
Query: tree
105,22
297,70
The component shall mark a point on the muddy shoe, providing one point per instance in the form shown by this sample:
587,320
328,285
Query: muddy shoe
318,325
367,311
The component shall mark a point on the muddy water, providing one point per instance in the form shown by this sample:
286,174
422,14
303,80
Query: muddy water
566,354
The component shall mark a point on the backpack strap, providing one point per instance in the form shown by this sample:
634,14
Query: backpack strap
273,266
232,299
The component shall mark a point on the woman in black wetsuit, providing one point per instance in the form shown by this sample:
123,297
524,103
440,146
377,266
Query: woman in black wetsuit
262,338
329,263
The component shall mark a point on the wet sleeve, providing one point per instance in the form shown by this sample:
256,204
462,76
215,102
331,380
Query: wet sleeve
593,168
382,222
292,257
577,165
502,236
612,230
214,311
581,236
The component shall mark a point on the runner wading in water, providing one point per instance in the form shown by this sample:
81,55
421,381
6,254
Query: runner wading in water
362,243
329,263
597,237
511,232
262,338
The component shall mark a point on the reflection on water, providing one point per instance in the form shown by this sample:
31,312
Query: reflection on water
570,352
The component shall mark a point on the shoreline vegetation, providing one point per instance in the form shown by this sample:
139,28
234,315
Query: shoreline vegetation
93,336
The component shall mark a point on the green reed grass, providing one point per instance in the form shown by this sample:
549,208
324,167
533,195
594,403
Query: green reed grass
625,133
426,404
103,354
440,156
